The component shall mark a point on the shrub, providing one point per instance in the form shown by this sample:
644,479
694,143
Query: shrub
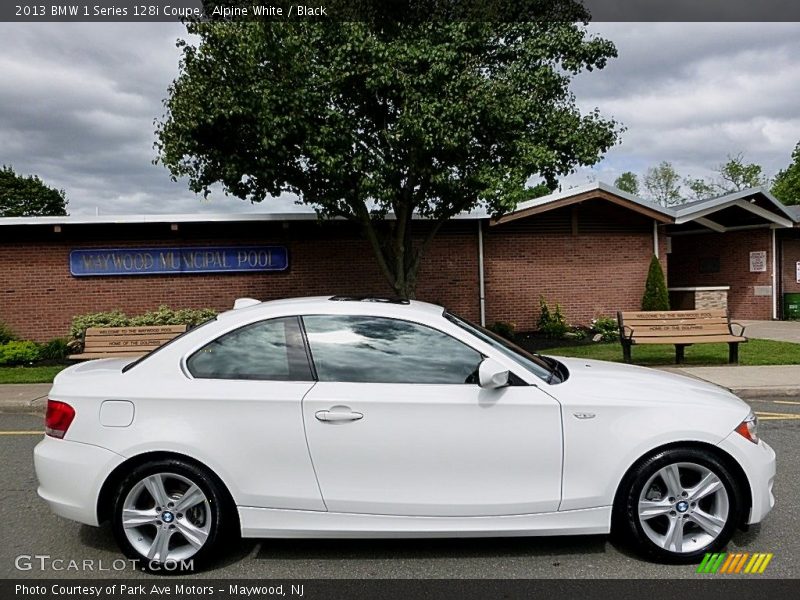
655,288
18,353
552,324
607,328
56,349
6,335
163,315
503,329
102,319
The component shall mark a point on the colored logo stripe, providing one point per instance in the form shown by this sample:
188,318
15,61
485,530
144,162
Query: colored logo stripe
722,562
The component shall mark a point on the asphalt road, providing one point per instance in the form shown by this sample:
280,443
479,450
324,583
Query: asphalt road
28,528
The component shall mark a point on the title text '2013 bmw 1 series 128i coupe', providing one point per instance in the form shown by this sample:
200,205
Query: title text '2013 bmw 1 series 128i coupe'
351,417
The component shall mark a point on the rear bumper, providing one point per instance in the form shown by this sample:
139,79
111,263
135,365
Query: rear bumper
758,463
70,476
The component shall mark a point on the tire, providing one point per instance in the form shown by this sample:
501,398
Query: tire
189,512
678,520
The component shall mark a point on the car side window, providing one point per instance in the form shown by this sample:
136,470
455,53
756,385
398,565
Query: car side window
268,350
366,349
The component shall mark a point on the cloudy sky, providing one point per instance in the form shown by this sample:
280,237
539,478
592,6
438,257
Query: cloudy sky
78,100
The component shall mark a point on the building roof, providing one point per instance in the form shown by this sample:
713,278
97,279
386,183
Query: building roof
756,201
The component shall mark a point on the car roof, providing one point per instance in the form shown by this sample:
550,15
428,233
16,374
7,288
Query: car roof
337,305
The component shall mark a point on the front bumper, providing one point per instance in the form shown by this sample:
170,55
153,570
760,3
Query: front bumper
71,475
758,463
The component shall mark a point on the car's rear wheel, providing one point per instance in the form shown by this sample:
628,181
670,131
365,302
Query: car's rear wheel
678,504
169,515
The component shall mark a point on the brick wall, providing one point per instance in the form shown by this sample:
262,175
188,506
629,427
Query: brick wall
732,250
39,297
591,259
592,263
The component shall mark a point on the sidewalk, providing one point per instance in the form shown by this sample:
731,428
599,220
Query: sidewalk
24,397
780,381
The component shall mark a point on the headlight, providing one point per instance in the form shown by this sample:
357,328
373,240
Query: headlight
748,428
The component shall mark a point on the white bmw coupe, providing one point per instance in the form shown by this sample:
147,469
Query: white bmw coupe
350,417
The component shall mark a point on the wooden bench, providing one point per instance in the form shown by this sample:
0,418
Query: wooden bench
681,328
116,342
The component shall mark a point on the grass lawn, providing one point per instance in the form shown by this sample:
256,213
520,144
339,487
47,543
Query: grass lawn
29,374
754,352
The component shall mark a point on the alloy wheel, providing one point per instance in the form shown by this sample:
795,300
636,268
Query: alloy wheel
166,517
683,507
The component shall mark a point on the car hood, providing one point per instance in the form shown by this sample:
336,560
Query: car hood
606,381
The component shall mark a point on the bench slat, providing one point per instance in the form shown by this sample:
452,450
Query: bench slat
635,322
688,330
708,339
92,355
674,314
144,330
105,339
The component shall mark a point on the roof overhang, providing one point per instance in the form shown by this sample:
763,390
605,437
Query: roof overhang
756,201
595,191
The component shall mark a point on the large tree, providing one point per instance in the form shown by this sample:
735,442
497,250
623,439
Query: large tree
22,196
379,121
786,185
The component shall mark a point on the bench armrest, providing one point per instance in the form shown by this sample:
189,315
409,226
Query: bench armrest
740,326
624,332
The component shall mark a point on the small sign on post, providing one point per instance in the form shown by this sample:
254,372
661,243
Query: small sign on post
758,261
797,271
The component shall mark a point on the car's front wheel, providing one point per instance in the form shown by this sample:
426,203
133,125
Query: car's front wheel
169,515
678,504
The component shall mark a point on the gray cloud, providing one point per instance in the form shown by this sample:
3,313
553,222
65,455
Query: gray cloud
78,100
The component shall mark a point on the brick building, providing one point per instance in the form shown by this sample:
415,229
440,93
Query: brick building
587,248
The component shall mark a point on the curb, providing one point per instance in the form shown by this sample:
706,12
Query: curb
771,393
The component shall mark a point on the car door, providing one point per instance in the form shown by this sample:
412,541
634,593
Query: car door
397,425
242,405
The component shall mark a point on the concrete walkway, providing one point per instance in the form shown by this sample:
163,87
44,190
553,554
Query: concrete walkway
780,381
24,397
781,331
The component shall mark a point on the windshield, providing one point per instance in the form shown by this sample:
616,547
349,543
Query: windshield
535,364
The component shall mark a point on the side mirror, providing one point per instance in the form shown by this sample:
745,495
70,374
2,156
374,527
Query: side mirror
492,375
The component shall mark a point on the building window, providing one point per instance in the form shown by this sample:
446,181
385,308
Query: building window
709,264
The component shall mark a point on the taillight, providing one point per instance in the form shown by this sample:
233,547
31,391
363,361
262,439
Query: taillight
748,428
58,418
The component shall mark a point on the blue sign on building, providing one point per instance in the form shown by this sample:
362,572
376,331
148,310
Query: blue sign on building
155,261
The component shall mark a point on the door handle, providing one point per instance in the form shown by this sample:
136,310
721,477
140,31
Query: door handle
337,416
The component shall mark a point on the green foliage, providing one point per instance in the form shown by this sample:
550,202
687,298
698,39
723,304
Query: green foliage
786,185
417,116
628,182
28,196
736,175
163,315
701,189
663,184
18,353
607,328
81,323
655,288
55,349
504,329
552,324
6,335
